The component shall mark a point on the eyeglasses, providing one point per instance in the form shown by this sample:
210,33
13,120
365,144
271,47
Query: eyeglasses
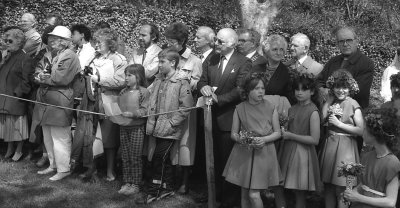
218,41
348,41
243,40
8,41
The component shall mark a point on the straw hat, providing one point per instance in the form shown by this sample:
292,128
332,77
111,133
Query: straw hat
62,32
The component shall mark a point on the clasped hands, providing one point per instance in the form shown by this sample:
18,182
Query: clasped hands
257,142
208,91
41,77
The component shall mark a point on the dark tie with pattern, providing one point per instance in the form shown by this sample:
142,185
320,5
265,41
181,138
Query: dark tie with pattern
143,56
221,64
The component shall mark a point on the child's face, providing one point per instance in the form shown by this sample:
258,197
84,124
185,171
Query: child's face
130,80
165,65
257,94
341,93
303,94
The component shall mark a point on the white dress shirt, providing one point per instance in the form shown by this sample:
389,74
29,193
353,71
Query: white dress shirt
226,60
85,54
205,55
251,54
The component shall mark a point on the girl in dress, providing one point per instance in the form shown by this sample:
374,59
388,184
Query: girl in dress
253,163
297,157
345,122
133,101
378,185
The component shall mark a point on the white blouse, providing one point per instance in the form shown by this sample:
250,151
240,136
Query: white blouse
386,93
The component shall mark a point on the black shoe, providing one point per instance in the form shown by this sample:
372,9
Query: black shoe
146,199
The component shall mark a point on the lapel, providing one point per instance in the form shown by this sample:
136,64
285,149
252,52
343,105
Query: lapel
305,66
230,66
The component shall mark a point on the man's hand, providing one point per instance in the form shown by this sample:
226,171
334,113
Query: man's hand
206,91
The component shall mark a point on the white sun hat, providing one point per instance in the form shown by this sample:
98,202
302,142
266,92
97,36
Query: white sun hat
62,32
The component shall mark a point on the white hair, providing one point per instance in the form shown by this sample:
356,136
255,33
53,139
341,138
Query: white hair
210,34
275,38
305,41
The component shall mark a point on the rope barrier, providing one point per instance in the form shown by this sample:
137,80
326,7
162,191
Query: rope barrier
91,112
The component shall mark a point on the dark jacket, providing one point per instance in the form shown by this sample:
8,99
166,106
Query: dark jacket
15,76
227,86
57,89
362,69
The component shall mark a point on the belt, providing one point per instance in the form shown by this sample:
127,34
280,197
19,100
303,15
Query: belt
340,134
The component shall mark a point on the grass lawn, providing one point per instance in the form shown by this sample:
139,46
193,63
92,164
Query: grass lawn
21,187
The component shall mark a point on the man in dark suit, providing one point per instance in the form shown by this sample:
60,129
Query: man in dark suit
219,81
351,59
249,41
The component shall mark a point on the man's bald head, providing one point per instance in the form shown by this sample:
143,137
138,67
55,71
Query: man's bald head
27,22
226,40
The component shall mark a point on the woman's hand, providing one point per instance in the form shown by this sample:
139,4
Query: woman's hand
351,195
127,114
286,135
258,143
334,120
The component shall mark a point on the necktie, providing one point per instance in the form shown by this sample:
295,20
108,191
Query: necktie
221,64
143,56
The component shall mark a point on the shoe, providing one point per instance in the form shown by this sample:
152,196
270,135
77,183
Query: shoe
42,162
124,188
28,157
182,190
112,178
60,176
46,171
17,156
131,189
72,165
164,194
146,199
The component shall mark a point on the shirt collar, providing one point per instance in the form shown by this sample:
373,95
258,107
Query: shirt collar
187,53
251,54
229,55
205,54
302,59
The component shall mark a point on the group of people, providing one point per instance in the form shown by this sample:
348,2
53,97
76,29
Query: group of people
282,126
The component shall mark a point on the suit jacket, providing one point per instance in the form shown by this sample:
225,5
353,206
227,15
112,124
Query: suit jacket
258,60
207,60
227,86
309,65
362,69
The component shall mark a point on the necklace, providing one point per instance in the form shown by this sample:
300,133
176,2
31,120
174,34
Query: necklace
382,156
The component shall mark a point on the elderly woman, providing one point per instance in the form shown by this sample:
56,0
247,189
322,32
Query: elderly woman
55,73
177,35
15,72
109,74
277,74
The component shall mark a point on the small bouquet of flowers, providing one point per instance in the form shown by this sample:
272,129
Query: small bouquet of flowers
283,120
335,110
248,136
350,171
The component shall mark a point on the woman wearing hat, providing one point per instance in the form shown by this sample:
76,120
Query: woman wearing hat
106,44
55,73
15,71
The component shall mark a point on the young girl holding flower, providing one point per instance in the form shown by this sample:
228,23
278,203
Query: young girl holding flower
253,163
378,185
345,123
297,157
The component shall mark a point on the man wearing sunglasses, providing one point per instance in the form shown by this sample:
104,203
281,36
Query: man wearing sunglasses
248,43
220,80
33,39
351,59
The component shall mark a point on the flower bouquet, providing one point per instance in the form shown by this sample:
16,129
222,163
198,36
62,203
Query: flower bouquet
248,140
283,120
350,171
335,110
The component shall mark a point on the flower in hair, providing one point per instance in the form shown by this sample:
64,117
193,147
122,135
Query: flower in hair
383,123
343,76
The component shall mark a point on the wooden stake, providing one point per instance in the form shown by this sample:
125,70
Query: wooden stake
212,202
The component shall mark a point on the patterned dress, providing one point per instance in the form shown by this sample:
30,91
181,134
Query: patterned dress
261,170
298,161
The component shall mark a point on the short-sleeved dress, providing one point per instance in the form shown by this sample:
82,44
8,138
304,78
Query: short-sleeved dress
262,170
378,173
339,146
298,161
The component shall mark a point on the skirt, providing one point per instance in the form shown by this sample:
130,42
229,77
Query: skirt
253,168
299,166
337,149
110,134
13,128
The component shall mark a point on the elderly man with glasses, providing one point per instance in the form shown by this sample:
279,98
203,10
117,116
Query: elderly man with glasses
351,59
27,24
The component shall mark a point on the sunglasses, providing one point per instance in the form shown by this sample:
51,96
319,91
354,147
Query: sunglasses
218,41
8,41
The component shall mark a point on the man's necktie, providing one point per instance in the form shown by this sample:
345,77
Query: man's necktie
221,64
143,56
